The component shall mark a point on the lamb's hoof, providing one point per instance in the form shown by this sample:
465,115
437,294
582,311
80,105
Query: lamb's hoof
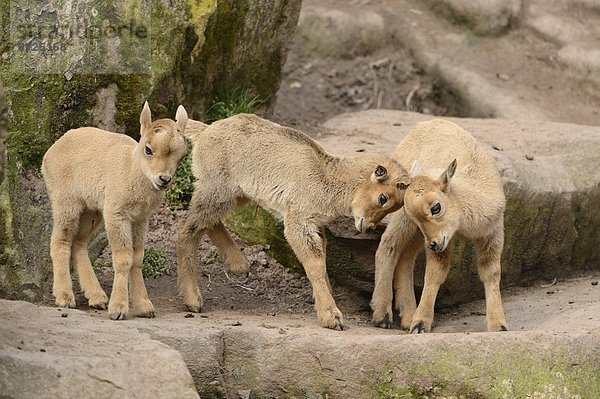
238,265
65,300
99,306
503,328
194,308
339,324
147,315
333,320
385,323
418,328
98,301
118,316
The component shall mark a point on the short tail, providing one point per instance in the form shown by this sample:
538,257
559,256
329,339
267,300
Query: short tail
194,128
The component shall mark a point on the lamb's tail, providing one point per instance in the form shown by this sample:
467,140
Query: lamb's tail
194,128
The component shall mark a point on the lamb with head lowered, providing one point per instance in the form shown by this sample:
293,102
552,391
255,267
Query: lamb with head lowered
244,158
456,190
94,176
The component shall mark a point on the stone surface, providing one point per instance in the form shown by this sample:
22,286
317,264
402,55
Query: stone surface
508,75
228,354
3,131
103,62
64,353
483,17
341,33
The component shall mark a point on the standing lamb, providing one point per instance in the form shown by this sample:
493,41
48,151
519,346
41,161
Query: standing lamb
467,201
94,175
248,158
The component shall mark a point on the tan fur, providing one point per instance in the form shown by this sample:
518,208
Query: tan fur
248,158
93,176
472,206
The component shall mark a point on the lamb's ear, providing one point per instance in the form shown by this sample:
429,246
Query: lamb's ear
447,175
380,174
415,169
145,118
181,117
403,182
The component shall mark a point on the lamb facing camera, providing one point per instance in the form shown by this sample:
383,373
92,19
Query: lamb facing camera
94,176
456,190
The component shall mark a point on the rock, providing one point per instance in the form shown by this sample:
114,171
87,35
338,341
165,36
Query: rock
100,70
484,17
43,355
3,132
88,357
550,227
339,33
583,57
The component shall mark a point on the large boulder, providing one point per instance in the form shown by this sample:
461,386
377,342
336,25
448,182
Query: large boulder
45,355
59,353
68,64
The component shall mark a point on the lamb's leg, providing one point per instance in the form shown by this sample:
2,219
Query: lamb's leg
139,296
397,235
404,288
89,223
436,272
65,223
325,251
230,252
489,251
190,231
305,240
119,233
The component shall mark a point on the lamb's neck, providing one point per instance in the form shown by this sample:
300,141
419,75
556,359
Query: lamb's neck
344,175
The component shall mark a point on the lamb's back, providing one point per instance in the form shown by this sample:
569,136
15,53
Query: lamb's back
80,163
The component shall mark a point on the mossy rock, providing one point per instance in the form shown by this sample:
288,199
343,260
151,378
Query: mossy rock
114,57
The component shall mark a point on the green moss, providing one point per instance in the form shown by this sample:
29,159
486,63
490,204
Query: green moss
132,90
179,194
509,371
257,226
155,263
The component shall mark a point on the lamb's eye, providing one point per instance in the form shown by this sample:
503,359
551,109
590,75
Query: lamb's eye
383,199
436,209
148,150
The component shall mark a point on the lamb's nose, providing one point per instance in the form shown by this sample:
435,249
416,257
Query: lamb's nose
433,245
164,179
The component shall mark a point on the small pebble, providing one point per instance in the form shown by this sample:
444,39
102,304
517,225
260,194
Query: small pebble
64,315
549,292
42,350
188,315
595,282
529,157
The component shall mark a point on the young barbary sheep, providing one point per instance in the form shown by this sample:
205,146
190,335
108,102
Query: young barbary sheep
246,158
94,175
467,200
